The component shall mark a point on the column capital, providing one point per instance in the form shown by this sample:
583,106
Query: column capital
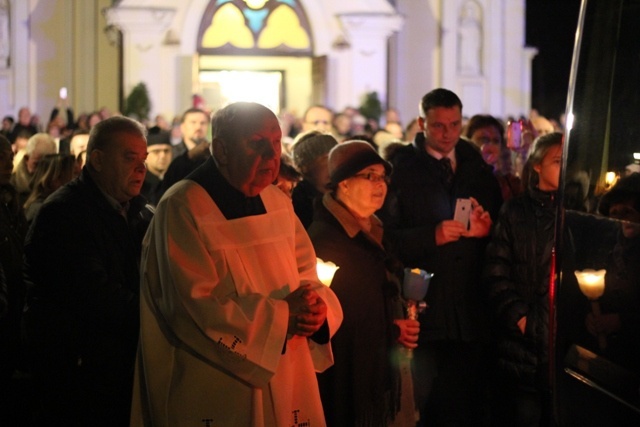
140,20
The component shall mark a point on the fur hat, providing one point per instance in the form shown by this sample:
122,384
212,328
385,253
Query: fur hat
349,158
309,147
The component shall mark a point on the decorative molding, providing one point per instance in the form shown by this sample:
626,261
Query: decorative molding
140,20
382,24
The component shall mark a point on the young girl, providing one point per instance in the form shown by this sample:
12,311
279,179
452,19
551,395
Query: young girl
517,275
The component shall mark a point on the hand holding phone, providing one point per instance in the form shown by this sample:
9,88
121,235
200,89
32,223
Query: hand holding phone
462,213
63,93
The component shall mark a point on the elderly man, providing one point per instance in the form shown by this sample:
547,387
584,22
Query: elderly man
38,146
234,321
81,257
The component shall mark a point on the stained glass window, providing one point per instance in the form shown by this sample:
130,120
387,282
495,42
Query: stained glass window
255,27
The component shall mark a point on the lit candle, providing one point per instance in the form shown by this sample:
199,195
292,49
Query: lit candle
610,179
591,282
325,270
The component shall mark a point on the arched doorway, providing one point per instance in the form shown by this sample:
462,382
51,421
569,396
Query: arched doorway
258,50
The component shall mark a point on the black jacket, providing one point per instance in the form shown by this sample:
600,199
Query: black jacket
13,228
179,168
304,197
416,203
517,278
360,388
82,267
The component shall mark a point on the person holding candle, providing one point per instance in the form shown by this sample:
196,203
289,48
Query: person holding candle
517,274
619,320
364,385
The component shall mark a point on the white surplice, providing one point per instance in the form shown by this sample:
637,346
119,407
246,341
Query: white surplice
214,322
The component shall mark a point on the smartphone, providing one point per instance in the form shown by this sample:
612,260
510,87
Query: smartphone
463,211
514,134
63,93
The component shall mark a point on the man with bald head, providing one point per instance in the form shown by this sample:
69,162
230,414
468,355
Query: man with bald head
234,321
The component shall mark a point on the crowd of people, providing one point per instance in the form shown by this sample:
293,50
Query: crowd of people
165,273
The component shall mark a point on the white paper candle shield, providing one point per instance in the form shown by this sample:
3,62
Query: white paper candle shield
326,271
591,282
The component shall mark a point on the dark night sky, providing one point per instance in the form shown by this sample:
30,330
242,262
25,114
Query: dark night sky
551,27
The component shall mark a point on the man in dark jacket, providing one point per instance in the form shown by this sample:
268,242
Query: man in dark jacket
192,151
81,259
429,175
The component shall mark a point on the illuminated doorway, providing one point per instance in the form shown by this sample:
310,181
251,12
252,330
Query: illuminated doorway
255,50
222,87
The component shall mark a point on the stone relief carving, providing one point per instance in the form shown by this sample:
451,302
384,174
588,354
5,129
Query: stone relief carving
470,39
5,41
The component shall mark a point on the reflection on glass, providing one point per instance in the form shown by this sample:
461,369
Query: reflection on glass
597,350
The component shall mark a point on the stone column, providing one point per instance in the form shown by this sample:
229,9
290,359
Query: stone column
143,30
362,67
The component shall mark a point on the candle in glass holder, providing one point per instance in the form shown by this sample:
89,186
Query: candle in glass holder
591,282
326,271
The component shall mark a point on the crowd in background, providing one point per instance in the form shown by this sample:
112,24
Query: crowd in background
349,178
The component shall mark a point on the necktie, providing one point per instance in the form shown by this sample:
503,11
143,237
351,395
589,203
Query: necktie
447,171
124,209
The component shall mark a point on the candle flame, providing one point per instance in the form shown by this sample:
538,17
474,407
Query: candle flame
326,271
610,179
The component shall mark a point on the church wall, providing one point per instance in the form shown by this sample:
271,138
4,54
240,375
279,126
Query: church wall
58,43
62,43
414,56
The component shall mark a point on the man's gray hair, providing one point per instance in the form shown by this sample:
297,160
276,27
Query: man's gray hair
104,132
237,120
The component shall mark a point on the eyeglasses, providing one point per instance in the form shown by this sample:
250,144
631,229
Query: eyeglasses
374,177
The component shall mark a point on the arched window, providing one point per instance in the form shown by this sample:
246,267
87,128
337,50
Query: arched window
255,27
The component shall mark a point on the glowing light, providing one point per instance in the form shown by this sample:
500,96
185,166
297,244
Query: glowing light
326,270
610,178
224,87
227,26
591,282
283,27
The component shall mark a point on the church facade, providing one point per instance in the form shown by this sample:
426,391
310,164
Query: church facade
287,54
